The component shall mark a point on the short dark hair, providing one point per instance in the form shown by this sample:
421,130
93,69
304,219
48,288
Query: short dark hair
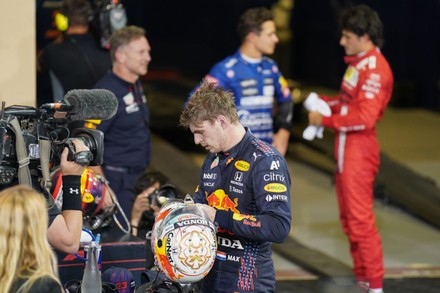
148,178
251,21
362,20
78,12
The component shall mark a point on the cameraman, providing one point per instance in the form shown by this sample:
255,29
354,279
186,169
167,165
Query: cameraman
75,60
64,230
144,209
152,191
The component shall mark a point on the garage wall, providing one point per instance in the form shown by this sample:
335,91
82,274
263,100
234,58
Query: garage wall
17,53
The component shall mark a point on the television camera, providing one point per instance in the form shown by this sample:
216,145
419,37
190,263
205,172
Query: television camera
108,16
104,18
32,139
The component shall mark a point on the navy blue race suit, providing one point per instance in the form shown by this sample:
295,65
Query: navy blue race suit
255,84
250,188
127,145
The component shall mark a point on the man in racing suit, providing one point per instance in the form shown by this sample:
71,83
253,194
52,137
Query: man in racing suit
255,80
365,92
245,189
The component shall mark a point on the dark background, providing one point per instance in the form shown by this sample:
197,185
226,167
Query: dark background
190,36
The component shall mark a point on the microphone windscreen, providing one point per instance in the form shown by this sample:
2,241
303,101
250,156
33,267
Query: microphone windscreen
96,104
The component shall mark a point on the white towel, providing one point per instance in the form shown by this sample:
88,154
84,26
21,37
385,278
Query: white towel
314,103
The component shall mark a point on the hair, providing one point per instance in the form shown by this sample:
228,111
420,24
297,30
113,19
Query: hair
251,21
77,12
123,37
207,103
24,249
147,179
362,20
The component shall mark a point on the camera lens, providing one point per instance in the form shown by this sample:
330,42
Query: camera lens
94,140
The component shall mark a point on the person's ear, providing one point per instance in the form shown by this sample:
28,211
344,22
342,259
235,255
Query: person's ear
120,55
252,36
224,122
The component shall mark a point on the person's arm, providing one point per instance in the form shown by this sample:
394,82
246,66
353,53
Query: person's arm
334,102
140,205
283,115
273,219
372,96
65,231
281,140
315,118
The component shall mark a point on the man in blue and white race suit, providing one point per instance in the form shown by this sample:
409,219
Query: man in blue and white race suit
256,81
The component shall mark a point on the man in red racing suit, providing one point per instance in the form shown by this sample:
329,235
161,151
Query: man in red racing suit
365,92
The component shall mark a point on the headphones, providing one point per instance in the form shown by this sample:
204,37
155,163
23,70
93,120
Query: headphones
74,9
61,21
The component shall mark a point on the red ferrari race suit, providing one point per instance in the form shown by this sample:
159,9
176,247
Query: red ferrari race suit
365,92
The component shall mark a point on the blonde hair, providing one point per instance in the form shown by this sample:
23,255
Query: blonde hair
25,252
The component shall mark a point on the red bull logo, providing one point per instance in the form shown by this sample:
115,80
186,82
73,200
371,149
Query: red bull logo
221,201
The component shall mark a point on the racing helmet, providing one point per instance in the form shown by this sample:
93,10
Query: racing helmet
164,211
93,193
185,244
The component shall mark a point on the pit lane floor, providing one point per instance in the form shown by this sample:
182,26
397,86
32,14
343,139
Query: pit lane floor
411,246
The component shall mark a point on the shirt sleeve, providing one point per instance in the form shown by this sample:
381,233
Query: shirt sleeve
284,113
366,108
333,102
216,75
53,212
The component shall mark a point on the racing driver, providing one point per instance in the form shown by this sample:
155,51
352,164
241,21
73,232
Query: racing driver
256,81
244,188
365,92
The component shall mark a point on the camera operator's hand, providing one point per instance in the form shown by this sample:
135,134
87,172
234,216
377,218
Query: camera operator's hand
140,205
72,168
65,231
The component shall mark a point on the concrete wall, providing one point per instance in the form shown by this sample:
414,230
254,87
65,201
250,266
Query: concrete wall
17,53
